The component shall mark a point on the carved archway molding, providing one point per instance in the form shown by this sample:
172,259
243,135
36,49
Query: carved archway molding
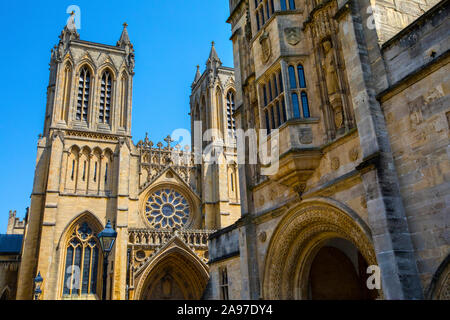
297,239
439,288
179,257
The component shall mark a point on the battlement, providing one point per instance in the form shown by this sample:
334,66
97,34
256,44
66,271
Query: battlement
15,225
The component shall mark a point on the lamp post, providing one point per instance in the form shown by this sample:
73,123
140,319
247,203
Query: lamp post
107,238
37,282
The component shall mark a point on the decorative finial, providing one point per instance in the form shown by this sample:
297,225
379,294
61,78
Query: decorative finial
213,43
125,24
198,66
72,13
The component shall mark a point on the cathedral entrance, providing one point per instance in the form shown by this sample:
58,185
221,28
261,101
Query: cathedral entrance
319,251
176,273
338,272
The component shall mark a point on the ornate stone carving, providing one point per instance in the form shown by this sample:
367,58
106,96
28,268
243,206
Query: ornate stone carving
335,163
266,49
293,35
305,135
301,231
353,154
330,69
262,236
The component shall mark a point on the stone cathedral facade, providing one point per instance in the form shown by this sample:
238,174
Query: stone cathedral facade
359,91
353,96
162,203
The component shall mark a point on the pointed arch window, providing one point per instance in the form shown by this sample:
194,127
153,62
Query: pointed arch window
292,80
81,262
84,87
301,76
66,91
299,94
295,105
305,104
105,98
272,99
292,4
283,5
230,111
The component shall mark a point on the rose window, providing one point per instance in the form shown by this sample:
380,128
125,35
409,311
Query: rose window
167,208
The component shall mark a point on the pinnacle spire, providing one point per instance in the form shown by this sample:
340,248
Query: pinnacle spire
197,74
124,38
213,54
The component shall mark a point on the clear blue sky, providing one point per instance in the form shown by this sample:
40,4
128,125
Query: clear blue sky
170,38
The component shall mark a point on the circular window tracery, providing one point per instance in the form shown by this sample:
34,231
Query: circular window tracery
167,208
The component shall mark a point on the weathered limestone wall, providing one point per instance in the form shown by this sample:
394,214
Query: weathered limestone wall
420,44
418,120
391,16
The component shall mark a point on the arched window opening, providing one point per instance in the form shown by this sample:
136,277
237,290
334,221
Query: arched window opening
272,114
265,95
105,98
124,100
84,86
295,106
279,115
266,113
283,5
81,262
280,80
301,76
305,105
292,80
66,91
230,111
292,4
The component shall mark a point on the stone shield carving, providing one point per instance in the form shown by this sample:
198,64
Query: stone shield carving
293,35
266,50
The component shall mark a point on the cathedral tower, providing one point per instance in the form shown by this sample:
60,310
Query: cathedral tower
212,123
82,166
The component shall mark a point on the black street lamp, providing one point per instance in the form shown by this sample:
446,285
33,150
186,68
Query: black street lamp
107,238
37,282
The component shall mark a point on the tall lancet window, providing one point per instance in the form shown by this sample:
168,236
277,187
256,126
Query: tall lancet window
230,110
66,91
82,262
105,98
123,100
84,87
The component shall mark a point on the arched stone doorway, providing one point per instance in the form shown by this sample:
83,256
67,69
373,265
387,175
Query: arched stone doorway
175,273
301,237
338,272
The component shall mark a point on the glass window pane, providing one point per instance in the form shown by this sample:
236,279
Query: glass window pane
94,270
295,106
270,91
280,81
265,95
292,4
86,269
301,76
279,115
283,108
68,275
305,105
267,121
292,80
283,5
272,113
77,263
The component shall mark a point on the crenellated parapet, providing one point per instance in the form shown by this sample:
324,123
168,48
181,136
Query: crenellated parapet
155,159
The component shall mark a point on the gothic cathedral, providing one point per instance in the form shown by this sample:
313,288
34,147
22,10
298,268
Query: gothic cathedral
350,99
